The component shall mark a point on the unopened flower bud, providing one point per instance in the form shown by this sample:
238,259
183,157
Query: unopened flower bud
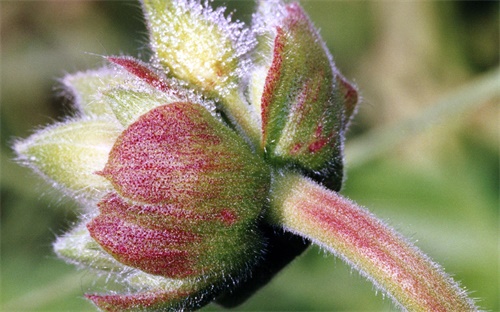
186,187
303,96
196,43
178,190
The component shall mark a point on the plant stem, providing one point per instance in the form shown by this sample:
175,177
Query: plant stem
389,261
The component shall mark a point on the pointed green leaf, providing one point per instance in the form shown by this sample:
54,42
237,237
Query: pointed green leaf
86,87
70,153
128,104
78,247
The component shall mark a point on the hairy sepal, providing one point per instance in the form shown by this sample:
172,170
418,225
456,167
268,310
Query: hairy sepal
143,71
69,153
305,103
198,44
301,114
79,248
185,298
140,290
188,187
130,102
85,89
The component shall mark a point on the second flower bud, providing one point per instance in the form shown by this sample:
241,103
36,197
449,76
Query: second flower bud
188,193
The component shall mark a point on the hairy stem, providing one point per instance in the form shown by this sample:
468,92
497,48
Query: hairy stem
389,261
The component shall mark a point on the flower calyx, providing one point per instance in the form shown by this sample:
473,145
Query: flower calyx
305,102
175,157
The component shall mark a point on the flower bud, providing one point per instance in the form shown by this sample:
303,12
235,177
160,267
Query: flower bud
302,102
188,195
197,44
180,190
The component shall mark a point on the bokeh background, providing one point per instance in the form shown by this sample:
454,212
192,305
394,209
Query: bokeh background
439,186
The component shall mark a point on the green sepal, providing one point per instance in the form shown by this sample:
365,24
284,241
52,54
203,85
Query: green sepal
302,114
128,104
86,87
69,154
195,43
78,247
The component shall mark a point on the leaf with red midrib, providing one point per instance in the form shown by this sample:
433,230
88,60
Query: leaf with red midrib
153,300
168,252
142,71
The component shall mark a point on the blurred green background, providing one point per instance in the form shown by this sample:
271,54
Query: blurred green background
438,187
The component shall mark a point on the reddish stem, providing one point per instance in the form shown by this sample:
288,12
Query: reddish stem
389,261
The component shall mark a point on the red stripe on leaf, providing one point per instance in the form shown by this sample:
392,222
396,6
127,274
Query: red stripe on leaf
272,80
139,301
142,71
164,252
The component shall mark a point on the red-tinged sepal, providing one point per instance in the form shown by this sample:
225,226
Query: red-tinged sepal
142,71
189,193
156,251
151,89
348,94
144,291
301,115
304,98
155,293
160,300
79,248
